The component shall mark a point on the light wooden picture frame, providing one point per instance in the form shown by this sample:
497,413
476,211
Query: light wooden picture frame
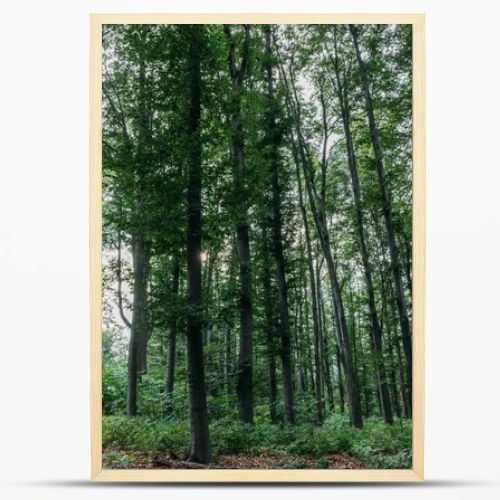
416,473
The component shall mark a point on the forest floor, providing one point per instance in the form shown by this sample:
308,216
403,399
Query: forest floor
147,443
122,459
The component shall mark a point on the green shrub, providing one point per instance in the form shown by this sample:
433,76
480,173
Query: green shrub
376,445
145,434
383,446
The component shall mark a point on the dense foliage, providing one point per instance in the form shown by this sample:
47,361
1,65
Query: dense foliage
376,445
257,253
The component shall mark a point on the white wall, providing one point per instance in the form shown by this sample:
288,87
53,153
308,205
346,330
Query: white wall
44,444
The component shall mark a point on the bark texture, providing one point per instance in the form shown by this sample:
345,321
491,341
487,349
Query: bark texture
199,450
245,369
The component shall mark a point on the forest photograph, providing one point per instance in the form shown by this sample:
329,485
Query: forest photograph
257,246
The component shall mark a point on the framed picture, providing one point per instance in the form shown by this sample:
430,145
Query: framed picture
257,247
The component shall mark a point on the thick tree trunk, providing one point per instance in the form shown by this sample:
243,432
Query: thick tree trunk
274,139
199,446
172,340
387,211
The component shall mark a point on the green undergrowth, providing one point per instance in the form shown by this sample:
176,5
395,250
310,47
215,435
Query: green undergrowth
376,445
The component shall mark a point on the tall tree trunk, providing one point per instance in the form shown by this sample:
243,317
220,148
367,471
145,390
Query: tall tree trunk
387,211
341,325
132,347
376,333
309,361
139,330
386,326
245,382
392,372
318,369
199,446
301,344
172,339
274,140
327,377
324,238
270,325
340,379
210,261
227,359
404,387
364,374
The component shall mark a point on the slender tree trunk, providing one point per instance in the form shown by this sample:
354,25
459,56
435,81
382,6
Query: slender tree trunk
383,389
139,328
172,339
199,446
274,140
132,348
132,375
404,388
324,238
342,332
340,380
299,346
309,357
245,383
270,325
392,372
405,245
139,331
366,388
318,369
387,211
327,374
386,325
207,286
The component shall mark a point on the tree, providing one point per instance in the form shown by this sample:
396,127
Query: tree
238,74
324,238
273,143
172,340
256,242
387,208
341,91
199,446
